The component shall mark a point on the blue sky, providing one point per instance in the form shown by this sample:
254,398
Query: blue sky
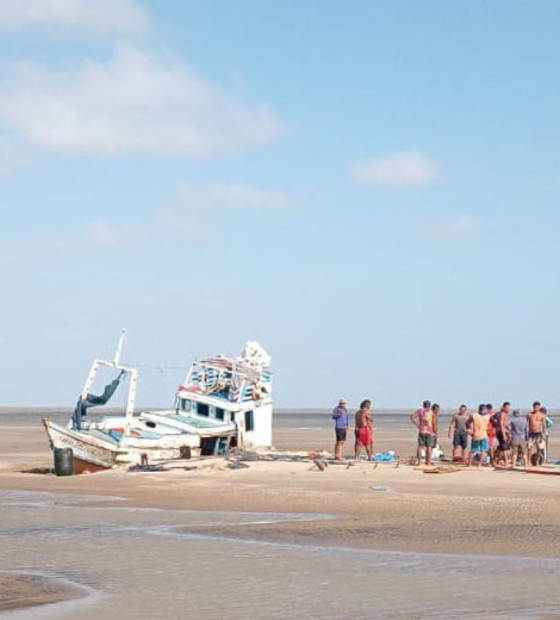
370,189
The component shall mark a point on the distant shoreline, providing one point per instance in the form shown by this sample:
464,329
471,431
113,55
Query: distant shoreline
279,411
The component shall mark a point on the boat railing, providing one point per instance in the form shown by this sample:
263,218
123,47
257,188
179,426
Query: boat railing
222,383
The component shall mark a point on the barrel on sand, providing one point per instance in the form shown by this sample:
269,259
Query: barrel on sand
63,462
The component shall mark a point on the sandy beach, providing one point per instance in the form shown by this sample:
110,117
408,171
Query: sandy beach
469,517
470,511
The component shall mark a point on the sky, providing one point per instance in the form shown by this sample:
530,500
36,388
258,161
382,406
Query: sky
369,189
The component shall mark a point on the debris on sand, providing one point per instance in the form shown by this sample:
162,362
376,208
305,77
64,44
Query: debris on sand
442,470
321,464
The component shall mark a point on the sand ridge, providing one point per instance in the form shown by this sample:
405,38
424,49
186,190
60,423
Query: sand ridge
21,590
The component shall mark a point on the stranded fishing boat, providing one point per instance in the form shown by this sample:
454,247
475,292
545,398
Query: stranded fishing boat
223,403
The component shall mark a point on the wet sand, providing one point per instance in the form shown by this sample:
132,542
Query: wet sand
151,564
479,512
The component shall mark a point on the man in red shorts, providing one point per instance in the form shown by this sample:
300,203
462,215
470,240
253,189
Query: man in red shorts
364,425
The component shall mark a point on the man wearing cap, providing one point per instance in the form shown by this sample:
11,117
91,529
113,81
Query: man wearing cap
340,417
519,434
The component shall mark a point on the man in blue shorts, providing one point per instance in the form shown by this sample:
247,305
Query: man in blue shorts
478,428
458,429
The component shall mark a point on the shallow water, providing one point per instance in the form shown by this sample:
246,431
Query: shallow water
152,563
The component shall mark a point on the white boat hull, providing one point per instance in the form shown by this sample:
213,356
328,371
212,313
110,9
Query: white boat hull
128,451
84,447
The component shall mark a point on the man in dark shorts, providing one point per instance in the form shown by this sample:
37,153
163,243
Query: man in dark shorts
503,453
340,416
492,433
426,423
458,427
364,426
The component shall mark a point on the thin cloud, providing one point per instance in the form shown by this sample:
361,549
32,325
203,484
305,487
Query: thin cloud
404,169
454,227
216,195
133,103
93,234
194,212
99,233
11,158
101,16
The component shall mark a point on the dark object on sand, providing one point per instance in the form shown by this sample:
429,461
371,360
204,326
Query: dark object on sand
237,465
63,462
185,452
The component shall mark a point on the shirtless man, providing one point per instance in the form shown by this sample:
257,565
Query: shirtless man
364,426
536,421
426,423
478,428
503,452
435,412
458,427
492,432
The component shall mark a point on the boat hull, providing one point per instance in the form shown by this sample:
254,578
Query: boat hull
92,453
85,448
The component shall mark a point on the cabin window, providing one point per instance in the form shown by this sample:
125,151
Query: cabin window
186,405
249,420
203,409
219,413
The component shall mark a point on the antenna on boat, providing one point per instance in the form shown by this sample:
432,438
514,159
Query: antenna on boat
117,358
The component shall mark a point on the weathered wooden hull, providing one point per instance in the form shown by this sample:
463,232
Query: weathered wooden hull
84,447
92,453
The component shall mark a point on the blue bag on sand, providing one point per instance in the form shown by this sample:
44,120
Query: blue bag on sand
384,456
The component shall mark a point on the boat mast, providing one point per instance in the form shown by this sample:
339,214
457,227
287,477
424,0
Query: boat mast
117,357
132,386
131,398
91,376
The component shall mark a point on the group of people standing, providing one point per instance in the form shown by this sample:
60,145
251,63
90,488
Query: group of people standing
363,429
502,437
